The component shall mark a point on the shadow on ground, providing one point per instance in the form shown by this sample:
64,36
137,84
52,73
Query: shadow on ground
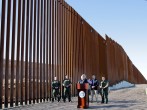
115,104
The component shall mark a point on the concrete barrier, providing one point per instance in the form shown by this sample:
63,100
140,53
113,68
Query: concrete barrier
120,85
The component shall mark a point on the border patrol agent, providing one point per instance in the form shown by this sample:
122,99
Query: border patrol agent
56,89
66,89
104,90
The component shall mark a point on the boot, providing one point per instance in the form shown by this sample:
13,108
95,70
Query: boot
52,99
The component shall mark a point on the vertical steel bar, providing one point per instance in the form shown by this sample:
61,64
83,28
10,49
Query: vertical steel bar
44,50
49,35
13,53
38,47
61,40
52,42
27,52
41,42
30,52
3,20
65,66
55,38
22,52
47,48
7,72
56,31
45,53
34,50
18,52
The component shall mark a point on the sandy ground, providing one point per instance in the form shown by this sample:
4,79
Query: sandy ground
124,99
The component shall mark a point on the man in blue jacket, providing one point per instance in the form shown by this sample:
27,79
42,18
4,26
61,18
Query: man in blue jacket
94,88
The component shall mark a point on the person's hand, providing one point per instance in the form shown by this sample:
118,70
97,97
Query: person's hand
93,86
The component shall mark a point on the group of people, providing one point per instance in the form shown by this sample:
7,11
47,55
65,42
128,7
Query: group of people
66,84
95,88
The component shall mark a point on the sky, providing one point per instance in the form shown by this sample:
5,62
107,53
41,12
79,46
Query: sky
125,21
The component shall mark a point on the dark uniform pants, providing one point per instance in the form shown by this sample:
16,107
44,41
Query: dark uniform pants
104,95
67,92
56,94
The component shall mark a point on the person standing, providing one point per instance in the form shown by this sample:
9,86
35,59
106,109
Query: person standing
83,79
66,89
94,88
104,90
56,89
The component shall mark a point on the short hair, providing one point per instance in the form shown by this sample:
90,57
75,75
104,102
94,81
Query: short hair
83,76
93,75
103,77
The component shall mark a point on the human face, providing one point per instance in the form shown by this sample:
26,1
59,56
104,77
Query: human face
55,78
66,77
103,78
93,77
83,77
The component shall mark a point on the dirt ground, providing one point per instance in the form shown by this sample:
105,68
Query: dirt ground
124,99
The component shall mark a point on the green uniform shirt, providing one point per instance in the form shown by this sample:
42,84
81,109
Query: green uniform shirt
104,83
56,84
66,83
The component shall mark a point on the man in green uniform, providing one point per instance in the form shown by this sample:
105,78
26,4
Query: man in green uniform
66,89
104,90
56,89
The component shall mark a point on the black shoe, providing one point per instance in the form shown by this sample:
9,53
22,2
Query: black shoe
52,99
69,100
58,99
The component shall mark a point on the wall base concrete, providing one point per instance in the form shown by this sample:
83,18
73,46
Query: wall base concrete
121,85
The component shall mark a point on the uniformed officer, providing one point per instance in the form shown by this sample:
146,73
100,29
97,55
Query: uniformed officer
56,89
104,90
94,88
66,89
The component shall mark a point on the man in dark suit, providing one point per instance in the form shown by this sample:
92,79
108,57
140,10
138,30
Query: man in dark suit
94,88
83,79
